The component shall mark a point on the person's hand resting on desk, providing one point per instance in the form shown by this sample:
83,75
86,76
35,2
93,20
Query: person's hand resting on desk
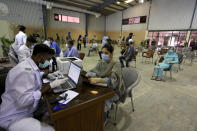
45,88
96,80
93,79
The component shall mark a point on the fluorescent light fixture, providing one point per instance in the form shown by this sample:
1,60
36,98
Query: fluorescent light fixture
128,1
118,2
141,1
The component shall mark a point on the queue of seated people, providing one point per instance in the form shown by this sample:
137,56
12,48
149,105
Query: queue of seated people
24,89
19,104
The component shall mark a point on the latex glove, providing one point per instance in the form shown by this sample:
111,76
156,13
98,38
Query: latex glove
57,82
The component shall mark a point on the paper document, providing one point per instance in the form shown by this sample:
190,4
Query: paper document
100,84
71,95
46,80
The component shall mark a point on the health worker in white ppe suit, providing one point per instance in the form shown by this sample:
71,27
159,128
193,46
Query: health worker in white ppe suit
24,50
23,91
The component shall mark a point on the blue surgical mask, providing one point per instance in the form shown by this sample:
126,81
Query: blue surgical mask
105,57
46,64
31,47
171,51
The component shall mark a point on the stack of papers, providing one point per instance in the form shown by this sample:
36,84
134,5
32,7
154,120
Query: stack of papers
71,95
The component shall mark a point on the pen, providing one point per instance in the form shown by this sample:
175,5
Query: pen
65,100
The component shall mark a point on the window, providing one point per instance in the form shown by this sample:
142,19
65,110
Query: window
193,37
168,38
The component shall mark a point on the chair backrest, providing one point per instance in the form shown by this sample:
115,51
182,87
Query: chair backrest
3,75
150,53
81,55
189,54
131,78
180,56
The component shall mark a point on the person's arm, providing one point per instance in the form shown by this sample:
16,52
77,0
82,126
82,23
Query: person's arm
176,60
24,39
75,53
58,49
21,55
66,53
98,80
24,91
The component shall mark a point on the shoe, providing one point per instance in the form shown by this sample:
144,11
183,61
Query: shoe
158,79
153,78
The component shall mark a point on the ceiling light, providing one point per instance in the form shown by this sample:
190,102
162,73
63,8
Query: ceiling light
118,2
141,1
128,1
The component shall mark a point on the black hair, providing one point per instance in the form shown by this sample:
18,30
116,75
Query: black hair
109,47
42,48
70,42
21,28
36,35
131,33
31,39
109,41
51,38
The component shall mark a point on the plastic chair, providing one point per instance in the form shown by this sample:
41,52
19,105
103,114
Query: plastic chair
180,59
170,70
189,55
134,57
131,78
149,54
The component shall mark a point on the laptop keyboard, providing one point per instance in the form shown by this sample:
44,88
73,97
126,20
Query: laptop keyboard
66,86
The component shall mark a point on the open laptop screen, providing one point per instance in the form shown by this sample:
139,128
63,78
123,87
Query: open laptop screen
74,72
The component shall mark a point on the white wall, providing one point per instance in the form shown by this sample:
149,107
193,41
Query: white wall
113,22
97,24
194,24
138,10
171,14
57,24
21,12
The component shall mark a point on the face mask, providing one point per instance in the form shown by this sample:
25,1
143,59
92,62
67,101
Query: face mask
46,64
105,57
171,51
31,47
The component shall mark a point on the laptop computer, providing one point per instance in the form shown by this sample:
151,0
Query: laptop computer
72,79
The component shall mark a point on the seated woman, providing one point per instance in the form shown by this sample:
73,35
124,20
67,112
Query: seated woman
109,72
169,58
71,50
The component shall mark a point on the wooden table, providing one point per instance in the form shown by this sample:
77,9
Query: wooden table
84,113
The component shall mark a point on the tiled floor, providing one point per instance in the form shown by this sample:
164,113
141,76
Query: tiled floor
159,106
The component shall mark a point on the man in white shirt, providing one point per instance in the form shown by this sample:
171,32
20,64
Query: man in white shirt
24,50
20,38
23,91
104,40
